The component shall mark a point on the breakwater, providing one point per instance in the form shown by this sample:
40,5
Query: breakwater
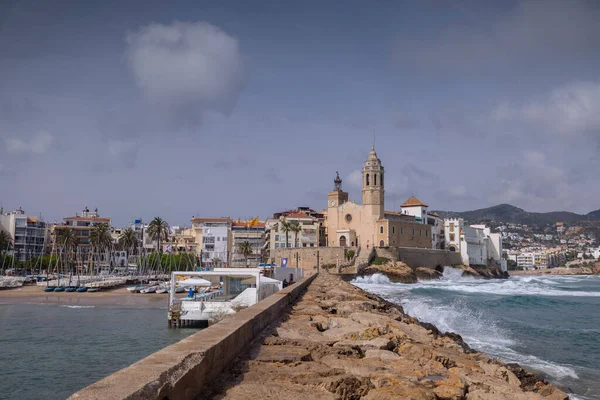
336,342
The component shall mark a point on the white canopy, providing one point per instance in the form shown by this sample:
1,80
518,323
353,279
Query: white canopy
263,280
195,282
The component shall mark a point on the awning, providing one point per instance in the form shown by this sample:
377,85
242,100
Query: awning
195,282
263,280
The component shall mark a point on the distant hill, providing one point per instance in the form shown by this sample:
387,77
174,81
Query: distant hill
510,214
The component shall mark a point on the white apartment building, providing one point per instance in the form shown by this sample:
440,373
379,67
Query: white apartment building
476,244
29,234
213,240
243,231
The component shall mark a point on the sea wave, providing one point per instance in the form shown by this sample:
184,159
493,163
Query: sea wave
77,306
509,287
375,279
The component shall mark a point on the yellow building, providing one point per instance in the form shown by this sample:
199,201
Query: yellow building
368,224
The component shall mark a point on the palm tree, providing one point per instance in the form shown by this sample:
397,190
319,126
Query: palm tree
217,262
100,238
287,228
68,241
245,249
296,228
6,244
128,239
158,230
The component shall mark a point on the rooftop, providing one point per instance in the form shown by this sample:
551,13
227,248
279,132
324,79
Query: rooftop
413,202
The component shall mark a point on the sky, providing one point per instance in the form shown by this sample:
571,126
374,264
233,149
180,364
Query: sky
241,109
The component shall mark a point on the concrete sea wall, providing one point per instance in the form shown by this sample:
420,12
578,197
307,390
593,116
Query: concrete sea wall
180,371
307,256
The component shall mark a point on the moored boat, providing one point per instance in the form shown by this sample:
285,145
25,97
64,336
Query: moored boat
59,289
82,289
49,289
93,290
70,289
150,289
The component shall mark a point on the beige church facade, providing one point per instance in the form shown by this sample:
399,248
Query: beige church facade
368,224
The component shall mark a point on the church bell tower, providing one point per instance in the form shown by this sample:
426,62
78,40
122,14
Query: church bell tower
373,184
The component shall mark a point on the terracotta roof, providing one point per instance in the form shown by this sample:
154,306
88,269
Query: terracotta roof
211,220
298,215
87,219
413,202
435,214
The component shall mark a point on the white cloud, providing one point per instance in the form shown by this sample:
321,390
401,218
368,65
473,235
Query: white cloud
183,64
355,179
568,110
38,144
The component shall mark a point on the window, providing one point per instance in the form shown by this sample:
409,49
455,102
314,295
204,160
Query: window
218,238
393,230
367,179
452,237
276,237
381,229
401,230
276,245
426,233
413,231
375,179
209,239
420,232
348,218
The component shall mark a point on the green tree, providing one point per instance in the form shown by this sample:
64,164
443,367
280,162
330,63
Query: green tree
6,242
128,240
217,262
295,228
158,229
68,242
286,227
245,249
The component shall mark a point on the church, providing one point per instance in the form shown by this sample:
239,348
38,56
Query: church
368,224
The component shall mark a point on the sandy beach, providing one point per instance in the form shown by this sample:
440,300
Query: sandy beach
115,297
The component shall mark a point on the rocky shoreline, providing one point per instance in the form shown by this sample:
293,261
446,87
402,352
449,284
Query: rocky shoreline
399,272
340,342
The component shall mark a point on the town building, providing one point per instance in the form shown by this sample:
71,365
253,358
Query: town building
29,234
418,210
476,244
82,225
252,232
213,240
310,233
368,224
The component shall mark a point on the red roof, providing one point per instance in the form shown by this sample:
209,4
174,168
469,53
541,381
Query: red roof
298,215
414,202
87,219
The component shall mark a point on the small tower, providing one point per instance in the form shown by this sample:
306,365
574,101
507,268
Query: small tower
373,184
337,197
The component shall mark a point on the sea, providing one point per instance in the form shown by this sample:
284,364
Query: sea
548,324
52,351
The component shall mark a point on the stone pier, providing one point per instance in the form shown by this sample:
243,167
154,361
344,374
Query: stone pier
322,338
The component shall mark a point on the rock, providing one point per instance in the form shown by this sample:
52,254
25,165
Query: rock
379,343
427,274
282,354
381,355
339,342
396,271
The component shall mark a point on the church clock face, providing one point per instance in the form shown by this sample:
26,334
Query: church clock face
333,203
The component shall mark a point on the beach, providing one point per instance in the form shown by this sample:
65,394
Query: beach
31,294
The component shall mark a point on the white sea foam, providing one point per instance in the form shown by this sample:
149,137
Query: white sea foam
77,306
452,274
375,279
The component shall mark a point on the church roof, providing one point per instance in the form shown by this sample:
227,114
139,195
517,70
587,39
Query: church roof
413,202
298,215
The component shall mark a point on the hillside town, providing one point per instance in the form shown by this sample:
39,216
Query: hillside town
216,241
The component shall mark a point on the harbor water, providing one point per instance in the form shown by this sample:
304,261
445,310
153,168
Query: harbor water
51,351
549,324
